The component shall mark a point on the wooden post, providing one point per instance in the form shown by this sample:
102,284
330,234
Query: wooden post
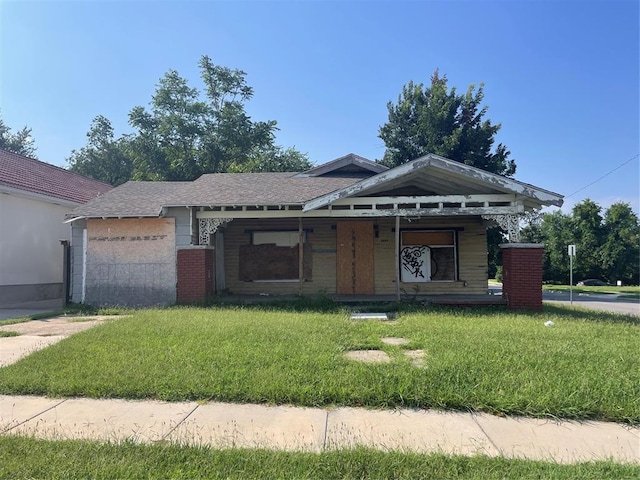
397,250
300,256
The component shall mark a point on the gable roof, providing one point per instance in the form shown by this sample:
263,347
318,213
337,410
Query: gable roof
30,175
350,164
441,176
431,173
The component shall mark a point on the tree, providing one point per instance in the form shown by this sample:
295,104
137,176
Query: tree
620,253
437,120
104,158
20,142
588,235
184,133
607,249
275,159
556,235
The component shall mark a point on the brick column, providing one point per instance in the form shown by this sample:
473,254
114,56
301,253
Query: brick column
196,274
522,275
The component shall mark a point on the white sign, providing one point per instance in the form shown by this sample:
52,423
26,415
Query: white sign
572,250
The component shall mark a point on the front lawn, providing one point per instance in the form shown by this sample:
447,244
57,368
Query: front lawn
584,366
22,457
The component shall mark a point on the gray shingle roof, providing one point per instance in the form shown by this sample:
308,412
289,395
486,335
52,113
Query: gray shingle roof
140,199
132,199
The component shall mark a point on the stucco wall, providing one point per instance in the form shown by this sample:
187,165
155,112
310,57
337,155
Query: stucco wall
131,262
31,257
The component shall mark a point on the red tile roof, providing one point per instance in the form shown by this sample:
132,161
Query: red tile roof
28,174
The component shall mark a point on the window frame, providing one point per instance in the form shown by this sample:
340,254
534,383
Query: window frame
454,245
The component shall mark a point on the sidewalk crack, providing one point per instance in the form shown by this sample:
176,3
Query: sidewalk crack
34,416
475,420
326,429
179,423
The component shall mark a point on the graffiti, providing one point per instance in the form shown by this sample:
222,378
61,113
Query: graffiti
127,239
413,259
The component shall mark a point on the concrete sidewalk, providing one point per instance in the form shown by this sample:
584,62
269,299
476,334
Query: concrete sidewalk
292,428
316,429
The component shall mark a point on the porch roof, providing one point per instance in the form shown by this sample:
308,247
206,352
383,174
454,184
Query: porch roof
436,176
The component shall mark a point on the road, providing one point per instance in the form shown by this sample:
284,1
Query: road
604,302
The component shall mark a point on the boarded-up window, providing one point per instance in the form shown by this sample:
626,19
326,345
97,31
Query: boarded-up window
273,256
428,256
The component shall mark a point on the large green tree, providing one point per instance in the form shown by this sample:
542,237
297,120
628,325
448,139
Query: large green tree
620,252
104,157
436,119
588,235
19,142
185,133
607,248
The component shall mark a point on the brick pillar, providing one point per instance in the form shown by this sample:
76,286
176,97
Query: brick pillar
196,274
522,275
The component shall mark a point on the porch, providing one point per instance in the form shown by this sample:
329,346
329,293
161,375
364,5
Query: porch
366,300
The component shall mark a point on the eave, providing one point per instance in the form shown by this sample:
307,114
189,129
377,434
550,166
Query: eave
446,172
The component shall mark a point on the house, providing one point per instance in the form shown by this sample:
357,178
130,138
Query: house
34,198
348,227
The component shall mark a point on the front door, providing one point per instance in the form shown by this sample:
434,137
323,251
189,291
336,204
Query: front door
354,273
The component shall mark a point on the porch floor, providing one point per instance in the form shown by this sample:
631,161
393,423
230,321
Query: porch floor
440,300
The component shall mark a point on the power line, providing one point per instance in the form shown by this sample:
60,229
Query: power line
605,175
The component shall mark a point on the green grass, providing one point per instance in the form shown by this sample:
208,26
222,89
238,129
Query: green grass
8,334
22,457
629,291
585,367
71,310
13,321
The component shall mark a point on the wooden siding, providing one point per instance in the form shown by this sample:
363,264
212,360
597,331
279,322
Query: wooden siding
183,225
472,256
355,272
323,246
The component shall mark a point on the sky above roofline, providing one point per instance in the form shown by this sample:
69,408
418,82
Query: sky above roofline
562,77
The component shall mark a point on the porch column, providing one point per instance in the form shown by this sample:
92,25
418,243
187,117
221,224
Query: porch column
195,269
300,256
397,256
522,275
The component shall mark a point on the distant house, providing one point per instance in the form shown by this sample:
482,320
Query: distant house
34,197
348,227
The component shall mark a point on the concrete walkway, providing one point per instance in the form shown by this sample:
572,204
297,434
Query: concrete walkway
316,429
292,428
38,334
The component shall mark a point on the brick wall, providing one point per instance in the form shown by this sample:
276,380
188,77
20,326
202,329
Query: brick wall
196,274
522,275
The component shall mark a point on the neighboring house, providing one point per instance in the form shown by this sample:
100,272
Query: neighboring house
34,198
348,227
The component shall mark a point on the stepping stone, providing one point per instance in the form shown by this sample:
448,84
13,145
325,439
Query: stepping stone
416,356
395,341
368,356
369,316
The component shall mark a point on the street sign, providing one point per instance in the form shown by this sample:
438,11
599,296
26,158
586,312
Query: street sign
572,250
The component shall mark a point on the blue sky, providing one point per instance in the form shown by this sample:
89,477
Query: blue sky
561,76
